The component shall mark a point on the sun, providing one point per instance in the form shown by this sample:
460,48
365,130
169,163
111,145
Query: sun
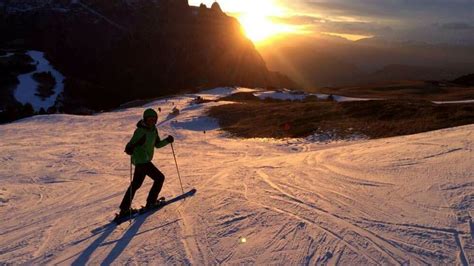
255,18
259,28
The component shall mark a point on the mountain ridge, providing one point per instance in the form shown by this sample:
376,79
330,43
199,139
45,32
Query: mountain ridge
112,53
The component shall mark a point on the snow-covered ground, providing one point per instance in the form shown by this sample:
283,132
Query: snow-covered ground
6,55
26,89
299,96
453,102
403,200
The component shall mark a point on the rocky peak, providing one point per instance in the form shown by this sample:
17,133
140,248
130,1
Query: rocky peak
216,7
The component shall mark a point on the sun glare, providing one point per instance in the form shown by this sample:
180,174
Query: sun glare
255,16
350,37
260,28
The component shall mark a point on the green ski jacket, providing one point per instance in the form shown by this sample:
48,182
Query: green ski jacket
144,142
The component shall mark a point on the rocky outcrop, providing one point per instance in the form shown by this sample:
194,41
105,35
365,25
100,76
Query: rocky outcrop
113,52
216,8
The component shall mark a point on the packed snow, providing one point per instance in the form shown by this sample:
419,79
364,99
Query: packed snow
281,95
26,89
402,200
6,55
300,96
220,92
453,102
286,95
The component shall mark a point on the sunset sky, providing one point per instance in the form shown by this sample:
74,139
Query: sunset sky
434,21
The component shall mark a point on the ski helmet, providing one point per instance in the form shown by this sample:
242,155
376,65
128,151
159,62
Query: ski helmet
149,113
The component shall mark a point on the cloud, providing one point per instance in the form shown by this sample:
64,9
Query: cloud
360,28
432,21
395,19
456,26
318,24
297,20
349,9
388,9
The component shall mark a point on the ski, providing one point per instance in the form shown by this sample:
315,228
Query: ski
159,204
162,202
120,219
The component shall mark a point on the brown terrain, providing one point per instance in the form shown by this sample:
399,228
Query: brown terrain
406,89
403,112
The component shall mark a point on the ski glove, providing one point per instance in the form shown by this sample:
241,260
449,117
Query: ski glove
170,139
129,149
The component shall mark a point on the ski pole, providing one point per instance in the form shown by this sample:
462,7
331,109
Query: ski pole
131,173
177,169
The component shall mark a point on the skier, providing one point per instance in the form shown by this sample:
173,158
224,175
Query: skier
141,147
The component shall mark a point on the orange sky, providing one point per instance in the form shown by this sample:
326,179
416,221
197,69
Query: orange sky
417,20
256,17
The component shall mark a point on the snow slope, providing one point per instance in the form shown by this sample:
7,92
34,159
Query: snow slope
300,96
6,55
400,200
26,90
453,102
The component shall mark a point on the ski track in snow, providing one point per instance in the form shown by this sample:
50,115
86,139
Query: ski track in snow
403,200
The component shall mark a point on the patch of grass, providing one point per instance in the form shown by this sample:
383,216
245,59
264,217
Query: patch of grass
250,117
241,97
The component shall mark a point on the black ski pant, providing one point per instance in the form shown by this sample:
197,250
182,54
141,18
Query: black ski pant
142,170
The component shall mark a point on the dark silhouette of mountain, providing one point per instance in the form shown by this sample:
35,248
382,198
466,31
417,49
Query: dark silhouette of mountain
318,61
467,80
116,51
408,72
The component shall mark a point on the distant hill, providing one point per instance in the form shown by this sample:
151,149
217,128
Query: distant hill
409,72
467,80
320,61
405,90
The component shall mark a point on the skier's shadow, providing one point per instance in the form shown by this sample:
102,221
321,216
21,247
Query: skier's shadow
123,242
86,254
